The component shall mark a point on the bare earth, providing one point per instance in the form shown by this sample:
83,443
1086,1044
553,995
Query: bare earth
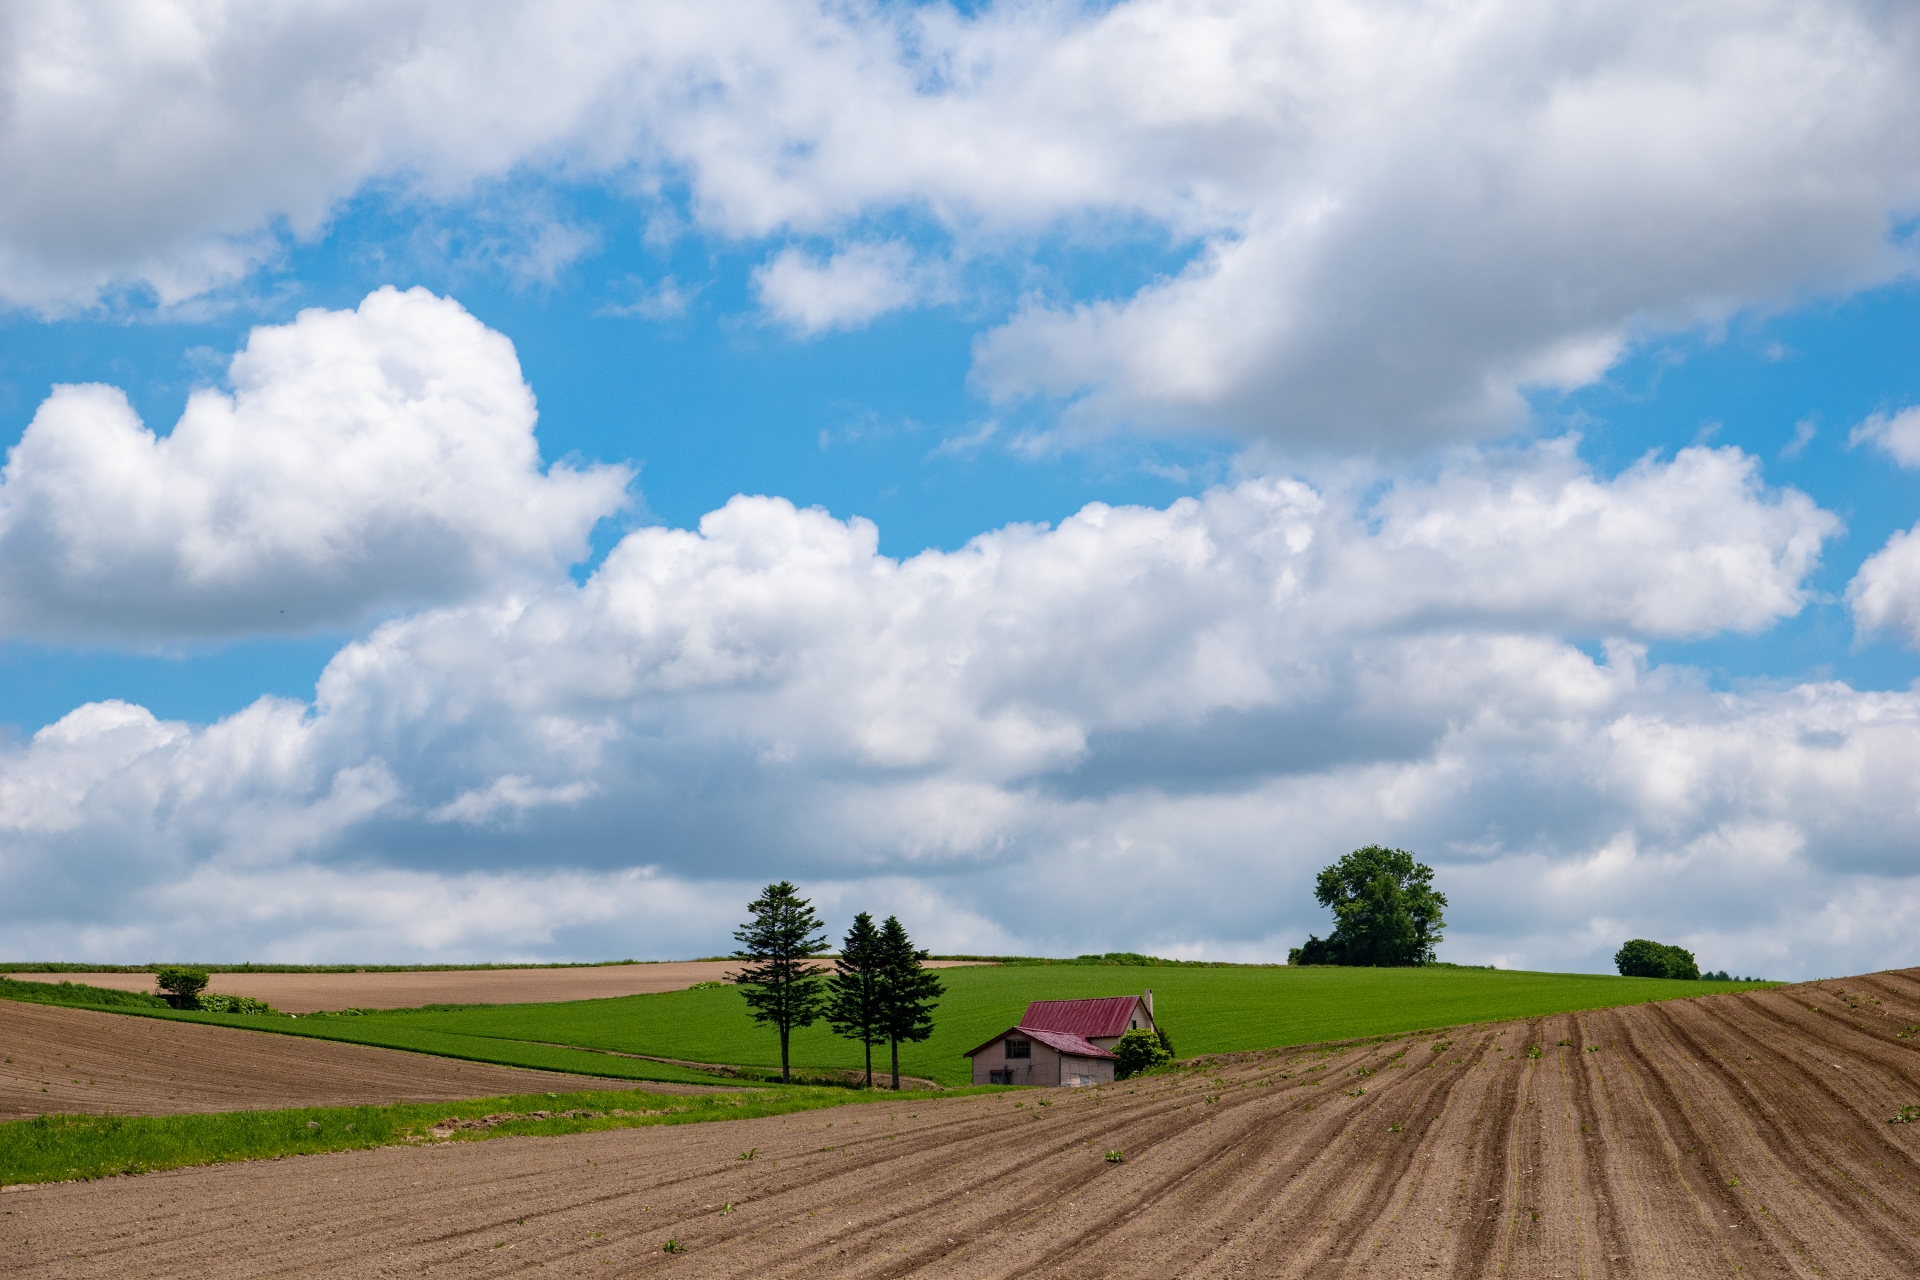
312,992
78,1060
1731,1135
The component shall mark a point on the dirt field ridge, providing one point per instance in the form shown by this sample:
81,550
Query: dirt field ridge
1741,1136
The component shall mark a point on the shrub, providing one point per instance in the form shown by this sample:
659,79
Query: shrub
232,1004
1644,958
1318,951
1138,1051
182,986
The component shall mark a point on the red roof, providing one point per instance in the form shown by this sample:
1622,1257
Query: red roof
1064,1041
1089,1018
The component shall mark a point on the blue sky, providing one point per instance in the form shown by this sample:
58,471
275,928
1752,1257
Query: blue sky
1508,467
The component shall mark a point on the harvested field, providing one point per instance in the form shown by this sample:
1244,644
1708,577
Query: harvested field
76,1060
1731,1135
313,992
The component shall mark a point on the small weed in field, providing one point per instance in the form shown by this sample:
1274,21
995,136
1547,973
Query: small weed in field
1115,1156
673,1246
1354,1093
1593,1048
748,1154
1363,1071
1533,1051
1566,1044
1393,1128
727,1207
1905,1115
1904,1033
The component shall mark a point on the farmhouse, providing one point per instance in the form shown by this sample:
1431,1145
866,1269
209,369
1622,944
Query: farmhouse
1062,1042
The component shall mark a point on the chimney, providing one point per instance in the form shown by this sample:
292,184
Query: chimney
1149,1000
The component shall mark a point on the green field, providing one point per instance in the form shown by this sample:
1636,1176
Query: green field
1206,1010
62,1147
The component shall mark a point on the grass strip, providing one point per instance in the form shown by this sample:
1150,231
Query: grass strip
78,995
62,1148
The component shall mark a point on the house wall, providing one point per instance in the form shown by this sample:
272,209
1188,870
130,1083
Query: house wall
1043,1068
1094,1070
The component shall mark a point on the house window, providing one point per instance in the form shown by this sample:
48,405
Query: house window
1018,1048
1133,1024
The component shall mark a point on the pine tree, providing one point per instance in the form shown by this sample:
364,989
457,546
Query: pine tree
779,984
908,991
853,992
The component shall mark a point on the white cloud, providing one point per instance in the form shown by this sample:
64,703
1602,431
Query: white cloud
1404,215
1885,594
1142,728
376,458
849,289
667,300
1897,436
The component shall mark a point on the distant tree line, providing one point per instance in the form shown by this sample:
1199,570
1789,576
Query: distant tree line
1386,912
879,990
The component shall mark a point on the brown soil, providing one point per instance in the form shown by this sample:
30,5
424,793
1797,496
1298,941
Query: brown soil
78,1060
312,992
1731,1136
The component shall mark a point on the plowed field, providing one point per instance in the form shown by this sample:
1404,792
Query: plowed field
1732,1136
76,1060
312,992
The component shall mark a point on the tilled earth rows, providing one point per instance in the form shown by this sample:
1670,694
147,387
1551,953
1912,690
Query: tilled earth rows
1731,1135
408,989
77,1060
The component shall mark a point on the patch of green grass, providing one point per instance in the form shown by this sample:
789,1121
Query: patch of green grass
1206,1010
77,995
65,1147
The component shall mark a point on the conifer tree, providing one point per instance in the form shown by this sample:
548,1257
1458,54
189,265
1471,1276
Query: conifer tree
854,990
908,991
780,986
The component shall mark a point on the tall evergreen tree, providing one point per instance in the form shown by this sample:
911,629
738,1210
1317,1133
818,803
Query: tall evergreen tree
780,986
908,991
853,992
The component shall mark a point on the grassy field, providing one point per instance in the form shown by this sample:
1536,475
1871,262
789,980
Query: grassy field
1206,1010
65,1147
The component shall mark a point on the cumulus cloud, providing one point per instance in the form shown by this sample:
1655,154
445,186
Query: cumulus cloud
1885,593
1401,217
845,291
369,459
1896,435
1143,727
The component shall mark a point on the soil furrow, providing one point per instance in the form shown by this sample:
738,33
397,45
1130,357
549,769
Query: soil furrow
1666,1140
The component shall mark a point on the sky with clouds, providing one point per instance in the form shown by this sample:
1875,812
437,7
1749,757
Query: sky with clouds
507,483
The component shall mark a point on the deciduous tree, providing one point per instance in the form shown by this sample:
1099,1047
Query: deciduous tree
1385,909
780,986
181,985
1645,958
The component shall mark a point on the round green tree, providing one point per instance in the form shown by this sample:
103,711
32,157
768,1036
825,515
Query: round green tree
1386,911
